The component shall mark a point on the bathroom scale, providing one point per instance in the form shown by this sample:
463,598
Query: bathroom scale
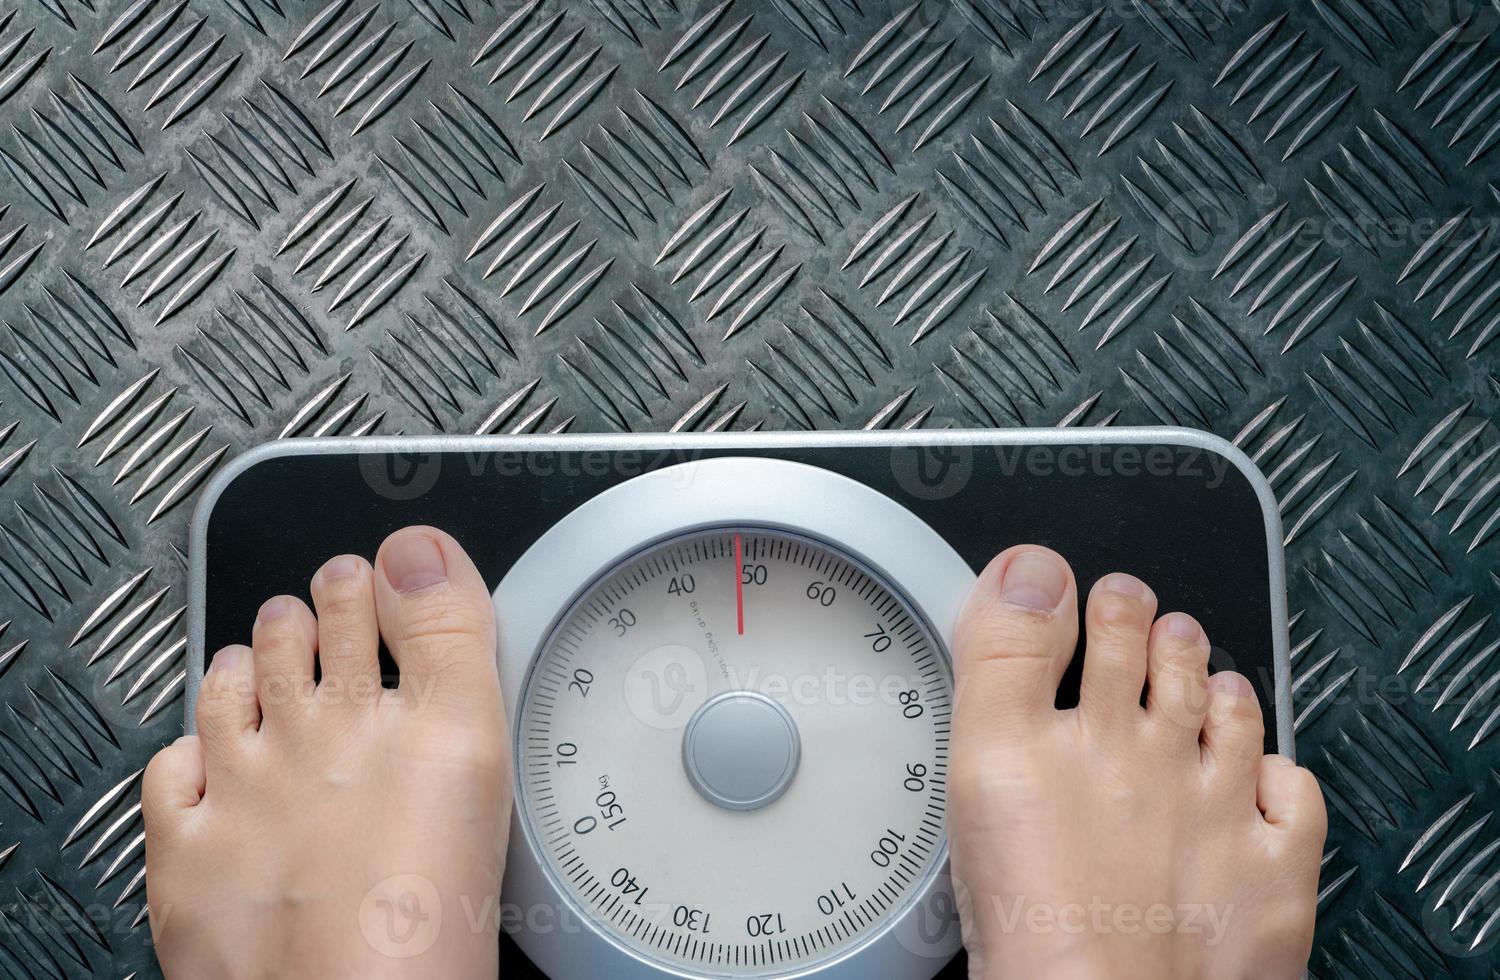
725,657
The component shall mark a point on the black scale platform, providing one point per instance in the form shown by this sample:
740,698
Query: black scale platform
1181,516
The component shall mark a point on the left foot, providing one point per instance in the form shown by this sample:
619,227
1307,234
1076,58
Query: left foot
337,829
1114,839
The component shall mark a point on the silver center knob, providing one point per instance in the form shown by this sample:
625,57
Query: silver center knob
741,750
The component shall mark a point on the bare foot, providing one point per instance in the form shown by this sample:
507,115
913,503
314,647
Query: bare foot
1113,840
338,829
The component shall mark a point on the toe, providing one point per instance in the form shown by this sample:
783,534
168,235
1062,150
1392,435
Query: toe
1119,615
343,594
1233,731
1290,799
173,784
1177,674
285,638
1014,639
228,709
436,615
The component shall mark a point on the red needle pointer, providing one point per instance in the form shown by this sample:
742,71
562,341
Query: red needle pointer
739,583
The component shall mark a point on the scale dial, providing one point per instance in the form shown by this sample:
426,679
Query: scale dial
734,751
730,695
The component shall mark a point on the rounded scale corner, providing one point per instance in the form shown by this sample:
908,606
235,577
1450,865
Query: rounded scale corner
243,461
1204,441
1171,435
1276,554
203,510
1237,457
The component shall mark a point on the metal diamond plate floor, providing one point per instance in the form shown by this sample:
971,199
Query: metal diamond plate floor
226,222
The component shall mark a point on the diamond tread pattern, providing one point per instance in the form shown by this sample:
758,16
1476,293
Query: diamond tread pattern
222,223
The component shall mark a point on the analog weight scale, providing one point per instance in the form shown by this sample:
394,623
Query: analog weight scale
725,656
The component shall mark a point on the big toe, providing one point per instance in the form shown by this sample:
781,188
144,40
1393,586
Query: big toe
436,616
1014,639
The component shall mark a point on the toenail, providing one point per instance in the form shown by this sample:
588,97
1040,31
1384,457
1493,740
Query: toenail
1121,584
414,561
1281,760
1231,683
341,568
226,659
1035,580
1183,627
273,609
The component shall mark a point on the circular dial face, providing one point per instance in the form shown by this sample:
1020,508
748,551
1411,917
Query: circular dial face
733,749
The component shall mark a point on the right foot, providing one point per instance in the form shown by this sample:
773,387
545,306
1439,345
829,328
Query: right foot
338,829
1115,840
